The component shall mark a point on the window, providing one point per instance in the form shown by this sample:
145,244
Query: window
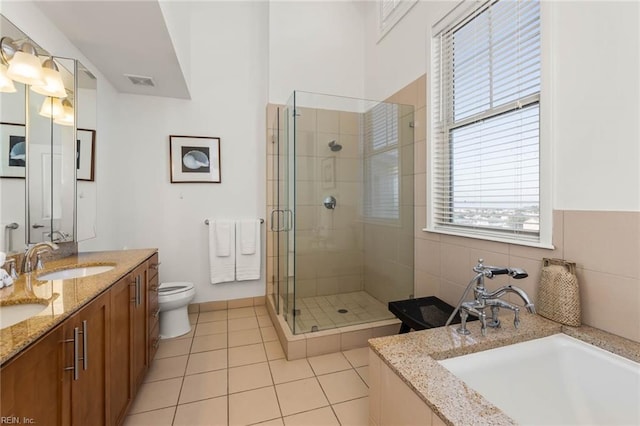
391,12
381,163
485,174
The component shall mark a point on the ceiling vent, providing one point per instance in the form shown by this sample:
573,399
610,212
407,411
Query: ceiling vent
139,80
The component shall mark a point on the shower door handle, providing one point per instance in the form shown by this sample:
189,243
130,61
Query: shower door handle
279,214
274,227
284,220
289,218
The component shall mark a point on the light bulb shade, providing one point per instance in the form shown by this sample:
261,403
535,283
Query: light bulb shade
53,85
25,68
67,118
52,108
6,84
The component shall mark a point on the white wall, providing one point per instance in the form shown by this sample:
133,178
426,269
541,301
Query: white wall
177,21
316,46
401,56
596,105
229,57
595,97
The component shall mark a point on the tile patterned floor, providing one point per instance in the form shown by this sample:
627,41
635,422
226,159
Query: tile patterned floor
324,313
231,370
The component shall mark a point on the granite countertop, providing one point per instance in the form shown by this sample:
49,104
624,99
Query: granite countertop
61,298
414,357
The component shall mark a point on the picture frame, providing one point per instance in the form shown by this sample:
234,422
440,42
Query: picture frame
194,159
13,150
85,154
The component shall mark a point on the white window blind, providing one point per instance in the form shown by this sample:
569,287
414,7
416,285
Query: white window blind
381,163
486,156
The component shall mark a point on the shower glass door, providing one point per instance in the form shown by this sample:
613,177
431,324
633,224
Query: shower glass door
285,214
273,208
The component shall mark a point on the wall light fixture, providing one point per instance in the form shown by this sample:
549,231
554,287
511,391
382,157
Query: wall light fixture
67,118
24,64
53,85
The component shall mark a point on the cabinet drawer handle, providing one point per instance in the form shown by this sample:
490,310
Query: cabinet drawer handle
85,352
155,265
156,313
76,335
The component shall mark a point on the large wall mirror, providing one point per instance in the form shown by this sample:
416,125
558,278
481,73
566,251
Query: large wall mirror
47,154
51,161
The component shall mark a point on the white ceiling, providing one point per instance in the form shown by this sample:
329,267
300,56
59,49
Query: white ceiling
122,37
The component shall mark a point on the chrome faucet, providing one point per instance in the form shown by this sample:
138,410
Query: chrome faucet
38,249
484,298
11,266
62,237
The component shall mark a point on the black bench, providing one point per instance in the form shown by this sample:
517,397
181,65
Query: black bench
423,313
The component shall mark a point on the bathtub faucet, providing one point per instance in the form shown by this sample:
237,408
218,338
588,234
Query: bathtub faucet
484,299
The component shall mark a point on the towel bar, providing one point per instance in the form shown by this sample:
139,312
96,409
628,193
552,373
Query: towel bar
206,221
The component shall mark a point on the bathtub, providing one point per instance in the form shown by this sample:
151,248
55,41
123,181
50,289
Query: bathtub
555,380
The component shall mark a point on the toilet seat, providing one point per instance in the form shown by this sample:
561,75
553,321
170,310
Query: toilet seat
171,288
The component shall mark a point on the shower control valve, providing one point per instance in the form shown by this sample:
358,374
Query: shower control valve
330,202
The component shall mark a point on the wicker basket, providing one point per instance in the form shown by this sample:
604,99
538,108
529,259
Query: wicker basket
558,294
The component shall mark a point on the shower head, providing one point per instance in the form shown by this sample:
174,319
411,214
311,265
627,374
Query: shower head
335,147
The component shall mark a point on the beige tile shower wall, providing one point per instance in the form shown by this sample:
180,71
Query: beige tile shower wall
389,249
328,243
271,180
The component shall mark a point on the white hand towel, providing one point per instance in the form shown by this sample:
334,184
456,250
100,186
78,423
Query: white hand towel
248,265
248,236
221,268
223,229
3,257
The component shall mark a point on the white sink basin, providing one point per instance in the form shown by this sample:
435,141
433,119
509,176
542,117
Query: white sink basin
75,272
13,314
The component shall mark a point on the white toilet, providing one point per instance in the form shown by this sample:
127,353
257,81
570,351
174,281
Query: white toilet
173,300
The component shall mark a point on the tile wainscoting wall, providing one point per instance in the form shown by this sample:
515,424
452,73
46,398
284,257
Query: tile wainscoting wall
604,245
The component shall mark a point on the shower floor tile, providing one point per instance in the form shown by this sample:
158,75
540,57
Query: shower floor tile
324,313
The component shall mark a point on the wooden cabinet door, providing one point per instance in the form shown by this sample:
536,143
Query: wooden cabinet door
31,384
88,396
139,347
119,356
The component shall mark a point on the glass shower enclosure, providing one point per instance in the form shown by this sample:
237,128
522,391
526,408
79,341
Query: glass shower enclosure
341,210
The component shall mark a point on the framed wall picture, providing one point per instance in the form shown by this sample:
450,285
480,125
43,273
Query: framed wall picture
85,154
194,159
13,150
